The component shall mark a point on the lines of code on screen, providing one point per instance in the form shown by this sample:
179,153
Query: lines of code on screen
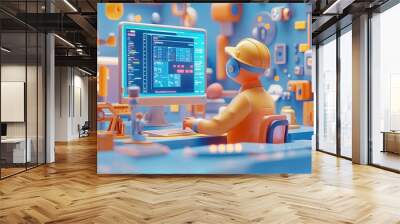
164,62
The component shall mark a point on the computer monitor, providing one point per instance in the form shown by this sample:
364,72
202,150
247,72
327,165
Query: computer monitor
3,129
168,63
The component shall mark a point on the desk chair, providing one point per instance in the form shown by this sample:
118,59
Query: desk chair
274,129
84,130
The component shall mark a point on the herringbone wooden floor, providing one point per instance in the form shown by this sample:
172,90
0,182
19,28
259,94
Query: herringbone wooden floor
70,191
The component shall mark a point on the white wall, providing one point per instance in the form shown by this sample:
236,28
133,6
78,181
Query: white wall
71,102
9,73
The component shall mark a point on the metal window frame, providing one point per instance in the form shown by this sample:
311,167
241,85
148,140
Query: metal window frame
338,33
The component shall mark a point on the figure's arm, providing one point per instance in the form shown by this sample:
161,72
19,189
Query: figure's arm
231,116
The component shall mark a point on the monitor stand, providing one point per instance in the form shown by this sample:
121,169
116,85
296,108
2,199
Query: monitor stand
156,116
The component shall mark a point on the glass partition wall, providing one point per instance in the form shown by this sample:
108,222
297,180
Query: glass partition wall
334,94
22,76
327,96
346,94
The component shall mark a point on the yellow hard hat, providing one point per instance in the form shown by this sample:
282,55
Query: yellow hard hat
251,52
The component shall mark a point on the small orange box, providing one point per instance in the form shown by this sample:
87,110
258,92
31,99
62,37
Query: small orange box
308,113
174,108
105,141
226,12
199,109
300,25
103,80
303,47
302,88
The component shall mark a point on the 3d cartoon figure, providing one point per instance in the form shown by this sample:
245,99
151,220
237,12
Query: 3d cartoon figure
241,118
137,128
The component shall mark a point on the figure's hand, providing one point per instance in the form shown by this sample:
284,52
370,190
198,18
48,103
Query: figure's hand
188,122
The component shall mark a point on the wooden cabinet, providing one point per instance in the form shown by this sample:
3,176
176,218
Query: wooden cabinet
391,141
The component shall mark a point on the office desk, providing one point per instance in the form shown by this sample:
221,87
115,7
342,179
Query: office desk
391,141
302,133
16,153
292,157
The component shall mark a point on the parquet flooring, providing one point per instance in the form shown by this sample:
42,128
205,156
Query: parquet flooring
70,191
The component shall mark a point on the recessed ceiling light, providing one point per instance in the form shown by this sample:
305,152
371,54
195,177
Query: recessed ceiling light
64,40
84,71
338,6
70,5
5,50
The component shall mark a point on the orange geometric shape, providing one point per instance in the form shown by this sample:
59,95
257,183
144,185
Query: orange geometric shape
138,18
178,9
199,109
105,141
300,25
303,47
103,80
302,88
114,11
111,41
174,108
222,57
116,125
226,12
276,78
308,113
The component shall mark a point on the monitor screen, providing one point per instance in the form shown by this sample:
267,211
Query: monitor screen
163,60
3,129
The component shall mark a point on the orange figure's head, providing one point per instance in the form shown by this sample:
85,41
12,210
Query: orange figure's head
249,60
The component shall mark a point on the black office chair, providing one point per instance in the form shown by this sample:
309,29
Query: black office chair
84,130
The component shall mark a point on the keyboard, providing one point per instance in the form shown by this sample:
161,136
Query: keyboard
170,132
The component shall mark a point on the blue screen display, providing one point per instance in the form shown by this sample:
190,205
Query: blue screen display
163,61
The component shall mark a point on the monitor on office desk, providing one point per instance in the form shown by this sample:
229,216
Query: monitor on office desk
167,63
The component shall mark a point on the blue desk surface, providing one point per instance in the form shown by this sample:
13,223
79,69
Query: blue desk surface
292,157
302,133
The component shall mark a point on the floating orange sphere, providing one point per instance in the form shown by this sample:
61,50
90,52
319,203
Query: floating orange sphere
138,18
214,91
111,41
114,11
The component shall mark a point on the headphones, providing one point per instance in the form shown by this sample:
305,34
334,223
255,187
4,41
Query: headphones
233,67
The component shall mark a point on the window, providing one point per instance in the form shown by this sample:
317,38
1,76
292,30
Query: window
346,93
385,89
327,96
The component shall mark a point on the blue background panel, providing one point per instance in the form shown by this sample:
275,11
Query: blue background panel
285,33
